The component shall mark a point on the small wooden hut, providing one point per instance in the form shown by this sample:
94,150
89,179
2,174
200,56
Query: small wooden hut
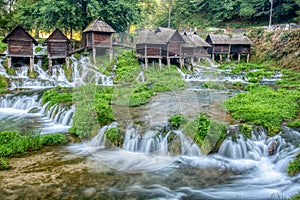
20,45
173,44
220,45
149,45
98,35
241,44
194,46
58,46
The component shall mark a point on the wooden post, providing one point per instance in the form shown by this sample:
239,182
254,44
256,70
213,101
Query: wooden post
181,62
67,62
31,64
220,58
94,55
239,58
159,60
146,63
110,54
228,57
248,57
169,61
9,62
213,57
153,65
50,65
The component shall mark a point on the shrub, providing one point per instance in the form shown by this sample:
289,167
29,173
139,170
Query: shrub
58,95
53,139
246,129
177,120
294,124
114,136
3,163
214,85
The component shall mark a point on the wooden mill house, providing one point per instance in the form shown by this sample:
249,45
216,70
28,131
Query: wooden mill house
98,36
220,45
240,45
58,47
20,46
173,41
149,46
194,47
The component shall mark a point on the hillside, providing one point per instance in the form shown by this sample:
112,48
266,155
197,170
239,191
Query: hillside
282,46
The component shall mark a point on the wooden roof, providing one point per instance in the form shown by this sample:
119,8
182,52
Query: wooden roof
19,28
58,36
99,26
165,34
219,39
196,40
148,37
240,39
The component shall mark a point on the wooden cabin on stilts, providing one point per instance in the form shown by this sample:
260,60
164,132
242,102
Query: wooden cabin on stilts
20,46
149,46
240,45
58,47
220,45
172,48
98,36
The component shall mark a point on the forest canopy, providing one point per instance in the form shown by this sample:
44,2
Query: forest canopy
74,15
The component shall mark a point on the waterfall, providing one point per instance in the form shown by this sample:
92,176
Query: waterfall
22,102
2,69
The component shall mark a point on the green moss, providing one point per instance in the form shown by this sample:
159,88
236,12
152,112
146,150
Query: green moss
265,106
3,163
294,166
296,197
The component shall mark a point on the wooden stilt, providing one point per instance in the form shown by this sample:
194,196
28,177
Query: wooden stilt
248,57
9,62
146,63
228,57
159,60
169,62
111,53
239,58
213,57
31,64
220,58
50,65
94,55
67,62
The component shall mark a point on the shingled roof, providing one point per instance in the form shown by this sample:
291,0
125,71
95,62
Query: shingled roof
148,37
165,34
240,39
19,28
219,39
60,35
99,26
196,39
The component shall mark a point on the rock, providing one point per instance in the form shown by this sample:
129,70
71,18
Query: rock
291,135
272,148
89,192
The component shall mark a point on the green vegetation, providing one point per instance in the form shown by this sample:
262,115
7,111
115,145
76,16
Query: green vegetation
177,120
296,197
294,124
58,95
3,46
214,85
114,136
208,134
289,80
38,49
265,106
68,72
246,129
294,166
12,143
3,84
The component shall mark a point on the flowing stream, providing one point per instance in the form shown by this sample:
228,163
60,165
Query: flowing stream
154,162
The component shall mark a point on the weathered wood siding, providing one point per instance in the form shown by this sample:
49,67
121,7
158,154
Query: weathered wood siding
152,50
58,49
221,49
188,52
175,45
240,49
102,39
19,44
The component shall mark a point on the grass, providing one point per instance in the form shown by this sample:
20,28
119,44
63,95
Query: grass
265,106
294,166
3,46
3,84
214,85
58,95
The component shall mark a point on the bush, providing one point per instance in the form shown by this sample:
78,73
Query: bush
246,129
114,136
58,95
53,139
177,120
214,85
294,124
